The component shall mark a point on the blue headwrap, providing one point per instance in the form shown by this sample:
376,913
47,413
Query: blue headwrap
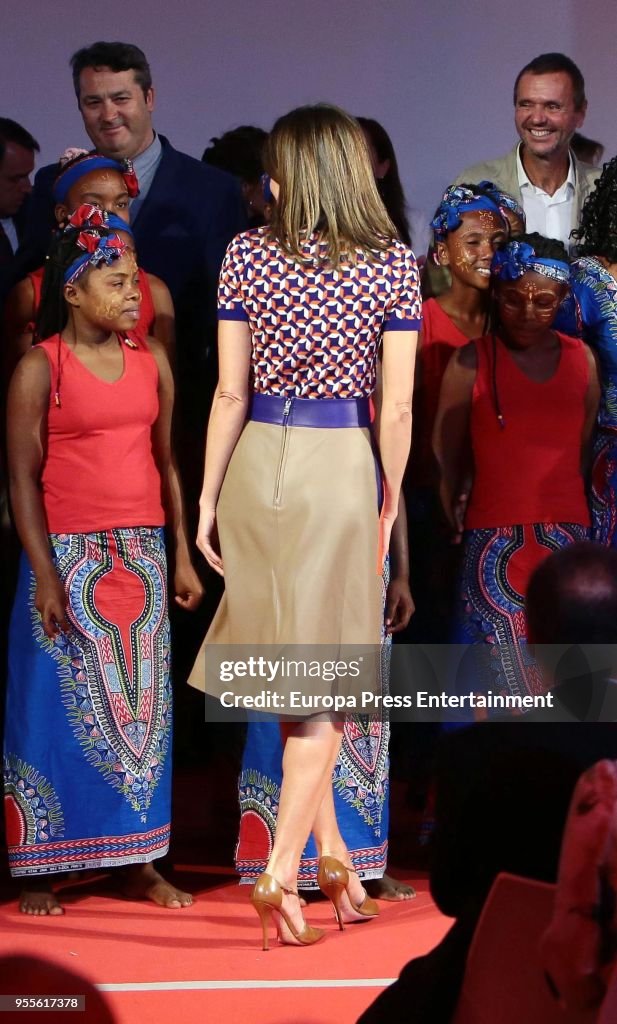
86,223
98,249
457,200
517,258
93,162
503,199
113,221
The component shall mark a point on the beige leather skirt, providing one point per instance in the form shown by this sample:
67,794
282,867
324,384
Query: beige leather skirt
298,525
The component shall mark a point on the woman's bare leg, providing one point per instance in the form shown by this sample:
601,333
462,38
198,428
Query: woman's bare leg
309,755
330,842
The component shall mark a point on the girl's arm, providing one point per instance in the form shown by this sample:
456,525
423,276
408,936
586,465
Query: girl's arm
227,419
451,442
399,602
187,585
164,328
28,403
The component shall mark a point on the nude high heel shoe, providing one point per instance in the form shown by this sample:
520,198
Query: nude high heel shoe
333,880
267,898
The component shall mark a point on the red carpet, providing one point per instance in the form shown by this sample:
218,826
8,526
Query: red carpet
205,963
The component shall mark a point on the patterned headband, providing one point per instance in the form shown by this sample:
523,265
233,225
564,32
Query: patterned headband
503,199
89,216
93,162
518,258
98,248
456,201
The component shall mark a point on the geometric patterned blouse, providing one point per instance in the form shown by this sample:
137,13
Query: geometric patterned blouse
316,332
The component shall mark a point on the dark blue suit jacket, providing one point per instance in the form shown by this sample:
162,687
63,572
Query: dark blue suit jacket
25,258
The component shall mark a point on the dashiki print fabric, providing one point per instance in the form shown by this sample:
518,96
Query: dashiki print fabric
590,312
496,566
87,758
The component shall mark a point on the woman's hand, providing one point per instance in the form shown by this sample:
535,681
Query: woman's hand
207,539
187,585
399,605
50,602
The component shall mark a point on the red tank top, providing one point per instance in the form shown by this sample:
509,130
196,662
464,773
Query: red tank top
529,470
99,470
440,338
147,315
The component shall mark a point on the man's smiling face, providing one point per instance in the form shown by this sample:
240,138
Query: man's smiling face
545,114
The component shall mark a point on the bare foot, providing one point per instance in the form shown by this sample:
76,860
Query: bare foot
143,882
39,900
388,888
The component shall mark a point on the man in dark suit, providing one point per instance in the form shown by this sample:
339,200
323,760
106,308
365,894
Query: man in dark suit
17,149
186,212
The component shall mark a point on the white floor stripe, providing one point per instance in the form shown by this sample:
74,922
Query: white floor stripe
181,986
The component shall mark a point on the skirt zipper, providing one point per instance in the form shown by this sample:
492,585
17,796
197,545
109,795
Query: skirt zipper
278,486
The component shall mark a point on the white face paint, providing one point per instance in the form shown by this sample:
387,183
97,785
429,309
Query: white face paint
109,296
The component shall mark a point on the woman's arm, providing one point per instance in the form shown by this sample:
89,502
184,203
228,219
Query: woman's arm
399,602
451,442
187,585
164,327
17,318
227,419
393,422
28,403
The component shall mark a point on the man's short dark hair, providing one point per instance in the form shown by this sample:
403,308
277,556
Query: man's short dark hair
550,64
10,131
116,57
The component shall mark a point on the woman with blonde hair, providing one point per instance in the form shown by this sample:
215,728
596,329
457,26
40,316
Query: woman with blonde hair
306,303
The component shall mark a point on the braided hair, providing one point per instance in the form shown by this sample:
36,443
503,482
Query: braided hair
597,234
52,314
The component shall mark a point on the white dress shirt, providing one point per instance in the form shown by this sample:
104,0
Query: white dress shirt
552,216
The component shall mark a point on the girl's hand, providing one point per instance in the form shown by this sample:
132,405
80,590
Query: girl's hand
207,540
187,585
459,510
50,602
399,605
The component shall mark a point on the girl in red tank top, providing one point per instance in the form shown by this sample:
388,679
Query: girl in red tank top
468,227
516,414
109,185
93,482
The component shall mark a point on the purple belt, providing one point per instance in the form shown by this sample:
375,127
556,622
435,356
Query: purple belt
310,412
